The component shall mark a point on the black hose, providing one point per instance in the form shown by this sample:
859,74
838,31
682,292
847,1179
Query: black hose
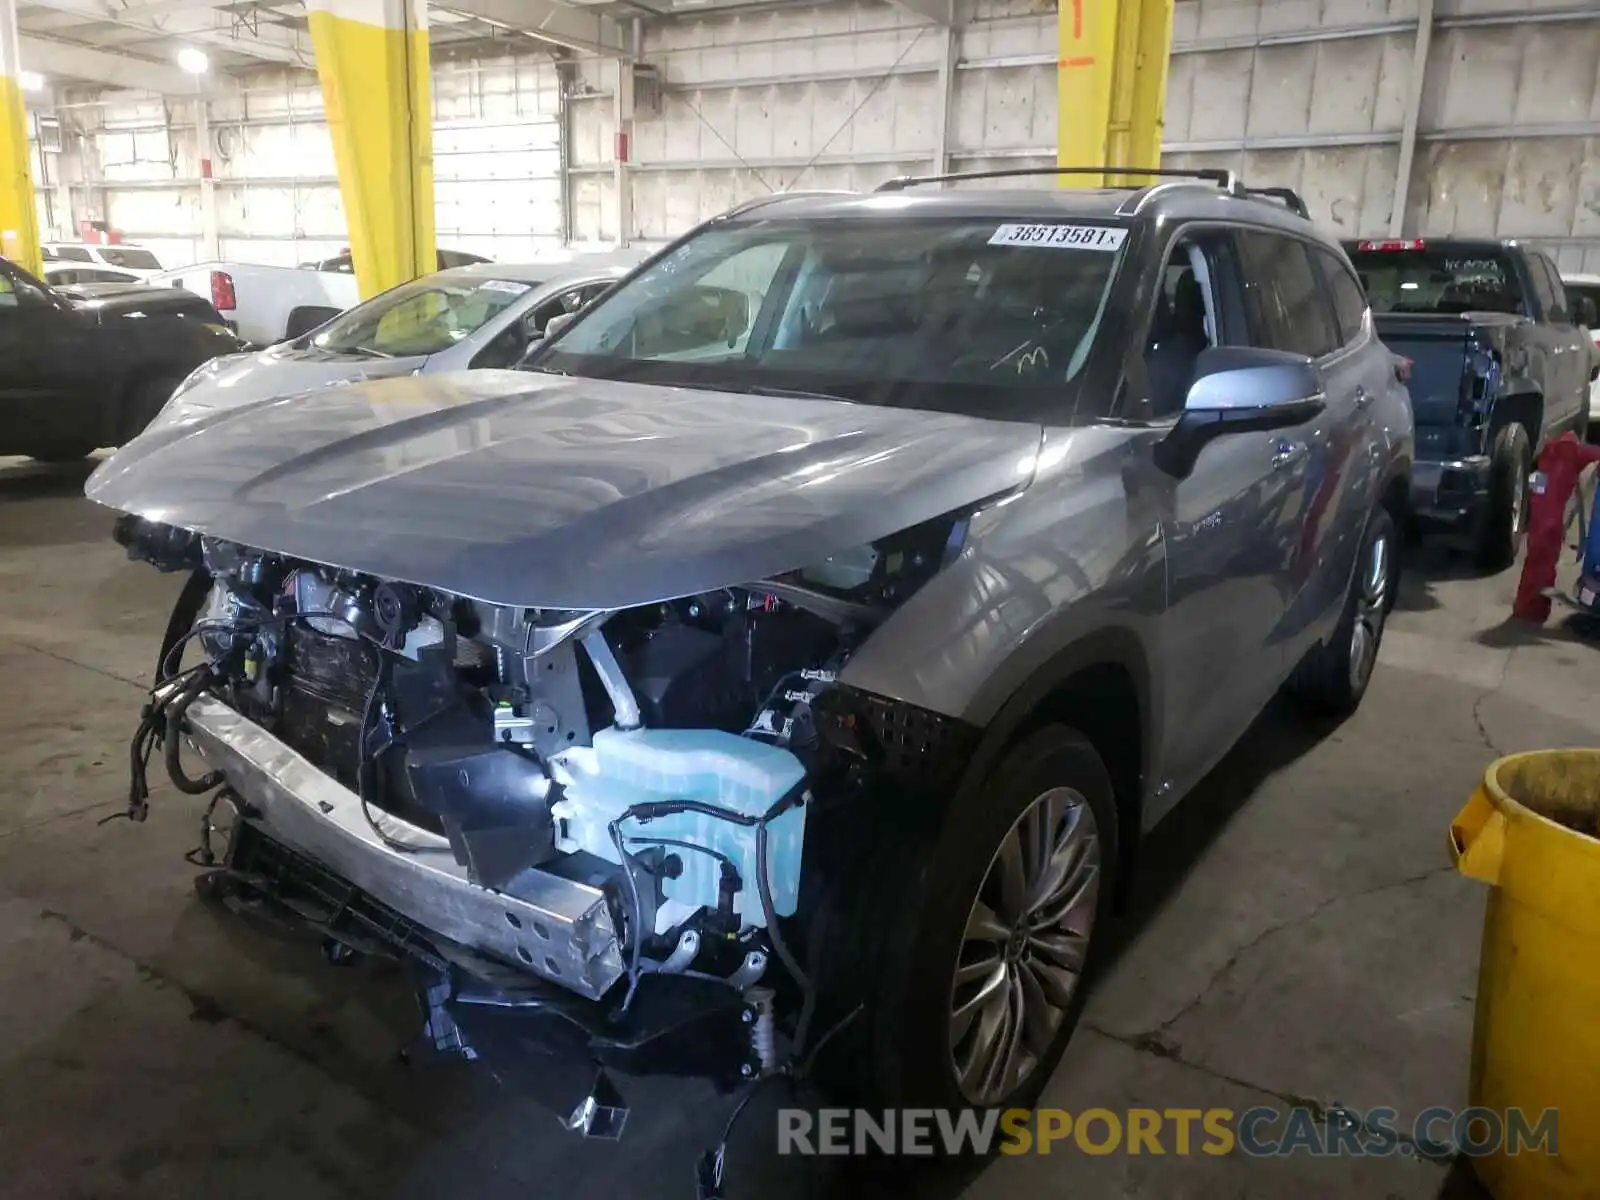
190,603
367,764
174,710
663,808
808,994
152,723
638,909
725,859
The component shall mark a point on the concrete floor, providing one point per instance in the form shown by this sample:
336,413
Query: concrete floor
1298,933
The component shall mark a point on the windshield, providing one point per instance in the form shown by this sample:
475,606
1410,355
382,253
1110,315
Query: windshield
418,318
128,256
1444,280
971,316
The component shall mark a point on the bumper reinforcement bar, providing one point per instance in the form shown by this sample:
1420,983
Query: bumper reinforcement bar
556,928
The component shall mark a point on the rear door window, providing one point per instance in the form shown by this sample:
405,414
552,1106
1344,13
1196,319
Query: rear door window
1581,291
1349,301
1539,279
1289,307
1559,311
130,256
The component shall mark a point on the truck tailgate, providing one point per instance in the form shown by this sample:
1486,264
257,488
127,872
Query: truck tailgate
1437,348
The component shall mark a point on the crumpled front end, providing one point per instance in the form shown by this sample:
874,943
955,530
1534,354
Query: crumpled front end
589,830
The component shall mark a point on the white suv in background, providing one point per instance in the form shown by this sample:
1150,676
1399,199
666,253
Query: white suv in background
128,259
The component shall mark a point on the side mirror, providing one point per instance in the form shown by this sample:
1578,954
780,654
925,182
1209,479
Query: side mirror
1240,389
554,326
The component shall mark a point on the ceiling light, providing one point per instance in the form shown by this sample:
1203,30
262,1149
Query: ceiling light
193,61
30,81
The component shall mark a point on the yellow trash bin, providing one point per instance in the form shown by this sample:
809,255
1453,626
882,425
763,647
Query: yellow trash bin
1530,832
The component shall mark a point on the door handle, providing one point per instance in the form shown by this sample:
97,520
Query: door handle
1363,397
1286,454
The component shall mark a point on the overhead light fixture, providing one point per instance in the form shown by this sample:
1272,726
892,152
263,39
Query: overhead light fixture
30,81
193,61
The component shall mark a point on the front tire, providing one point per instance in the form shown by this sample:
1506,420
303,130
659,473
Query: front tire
993,940
1334,676
1505,519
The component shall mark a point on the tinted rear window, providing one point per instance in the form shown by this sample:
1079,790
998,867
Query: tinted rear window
1439,280
130,256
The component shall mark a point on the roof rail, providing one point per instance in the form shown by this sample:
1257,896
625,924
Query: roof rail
755,202
1226,180
1289,196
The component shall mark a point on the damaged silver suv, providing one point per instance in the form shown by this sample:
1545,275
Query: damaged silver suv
792,655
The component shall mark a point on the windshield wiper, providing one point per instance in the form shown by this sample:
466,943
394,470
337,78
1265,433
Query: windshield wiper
366,352
761,389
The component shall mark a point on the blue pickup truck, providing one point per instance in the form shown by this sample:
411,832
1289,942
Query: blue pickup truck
1497,362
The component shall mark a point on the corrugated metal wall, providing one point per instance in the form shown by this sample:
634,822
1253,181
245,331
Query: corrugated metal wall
1312,93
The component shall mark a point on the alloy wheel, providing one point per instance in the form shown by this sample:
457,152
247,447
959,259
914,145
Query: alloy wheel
1026,941
1372,607
1519,501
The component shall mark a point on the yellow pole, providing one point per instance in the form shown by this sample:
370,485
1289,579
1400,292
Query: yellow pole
1112,84
372,59
19,220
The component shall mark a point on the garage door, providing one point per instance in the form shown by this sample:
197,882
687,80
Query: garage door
497,188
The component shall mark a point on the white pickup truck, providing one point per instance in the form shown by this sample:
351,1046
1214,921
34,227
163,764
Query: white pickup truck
265,305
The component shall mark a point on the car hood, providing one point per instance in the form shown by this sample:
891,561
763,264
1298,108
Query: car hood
103,300
546,491
243,379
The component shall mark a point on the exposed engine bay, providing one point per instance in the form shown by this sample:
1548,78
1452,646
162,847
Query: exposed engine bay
657,756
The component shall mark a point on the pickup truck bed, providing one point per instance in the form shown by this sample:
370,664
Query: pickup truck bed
1496,367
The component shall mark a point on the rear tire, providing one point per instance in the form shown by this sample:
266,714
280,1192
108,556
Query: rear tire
1505,517
953,933
1334,676
145,399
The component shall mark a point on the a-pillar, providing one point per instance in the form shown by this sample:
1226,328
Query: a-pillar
1112,85
372,59
19,220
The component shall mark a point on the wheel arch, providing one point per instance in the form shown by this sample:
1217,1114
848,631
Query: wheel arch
1102,686
1523,406
123,415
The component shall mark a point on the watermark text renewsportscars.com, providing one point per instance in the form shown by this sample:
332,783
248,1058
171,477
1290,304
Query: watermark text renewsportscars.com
1260,1132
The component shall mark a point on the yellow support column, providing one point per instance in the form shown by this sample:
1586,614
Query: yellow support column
1112,84
19,221
372,58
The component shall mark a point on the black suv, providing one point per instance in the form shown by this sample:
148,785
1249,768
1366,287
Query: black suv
90,365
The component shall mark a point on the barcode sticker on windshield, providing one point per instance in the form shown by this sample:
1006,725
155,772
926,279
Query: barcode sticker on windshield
503,285
1061,237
